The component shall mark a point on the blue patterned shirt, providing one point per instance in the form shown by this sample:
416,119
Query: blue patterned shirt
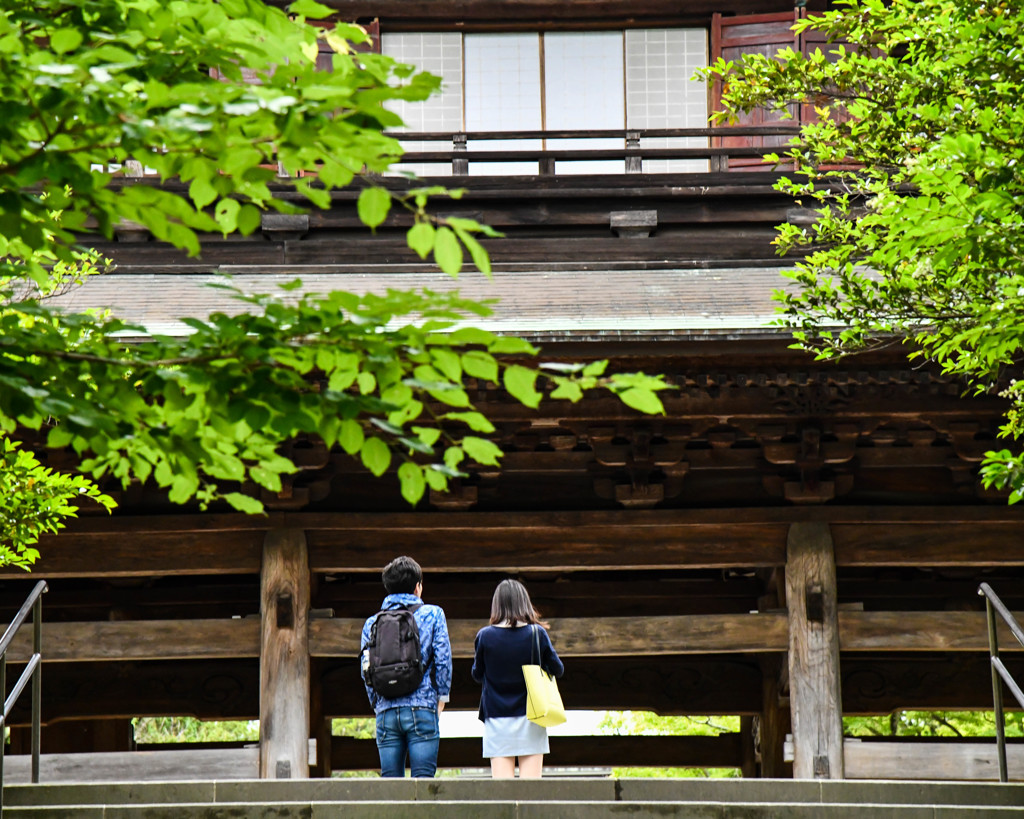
435,648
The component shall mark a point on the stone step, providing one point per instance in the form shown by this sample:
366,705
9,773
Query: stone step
508,809
420,792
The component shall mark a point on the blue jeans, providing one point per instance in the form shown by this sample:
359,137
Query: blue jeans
412,731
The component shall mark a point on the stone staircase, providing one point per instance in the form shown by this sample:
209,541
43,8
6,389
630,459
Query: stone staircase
538,799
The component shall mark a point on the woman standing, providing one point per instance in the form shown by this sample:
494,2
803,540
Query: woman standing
511,641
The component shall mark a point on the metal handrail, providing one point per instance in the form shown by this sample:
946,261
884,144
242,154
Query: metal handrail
1000,673
33,671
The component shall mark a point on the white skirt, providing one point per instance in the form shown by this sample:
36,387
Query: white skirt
514,736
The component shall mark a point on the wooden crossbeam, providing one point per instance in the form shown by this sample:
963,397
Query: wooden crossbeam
929,760
574,637
534,541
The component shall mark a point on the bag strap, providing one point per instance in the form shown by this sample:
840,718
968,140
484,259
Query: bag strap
535,644
412,608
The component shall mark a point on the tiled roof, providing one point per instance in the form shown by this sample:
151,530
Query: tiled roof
578,304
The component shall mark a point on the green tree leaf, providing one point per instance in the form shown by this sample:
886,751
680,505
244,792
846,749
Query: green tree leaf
521,384
373,206
447,251
375,456
413,483
421,238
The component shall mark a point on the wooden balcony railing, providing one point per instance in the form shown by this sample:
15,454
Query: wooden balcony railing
721,146
725,148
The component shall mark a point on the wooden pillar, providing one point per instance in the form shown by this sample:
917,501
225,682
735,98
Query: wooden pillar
284,656
814,693
774,723
748,767
319,726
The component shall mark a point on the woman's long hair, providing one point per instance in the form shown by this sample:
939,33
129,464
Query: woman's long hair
511,604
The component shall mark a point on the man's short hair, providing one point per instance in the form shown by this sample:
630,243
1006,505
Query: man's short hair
401,575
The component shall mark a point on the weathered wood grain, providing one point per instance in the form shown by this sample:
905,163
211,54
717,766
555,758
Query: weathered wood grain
929,760
929,544
140,546
814,688
597,637
634,636
284,656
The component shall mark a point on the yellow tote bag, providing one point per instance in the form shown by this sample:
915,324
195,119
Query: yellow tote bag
543,702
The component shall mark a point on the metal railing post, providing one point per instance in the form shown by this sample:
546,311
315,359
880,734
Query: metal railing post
33,670
37,688
997,690
3,726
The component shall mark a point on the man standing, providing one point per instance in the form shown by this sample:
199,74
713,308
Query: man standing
407,724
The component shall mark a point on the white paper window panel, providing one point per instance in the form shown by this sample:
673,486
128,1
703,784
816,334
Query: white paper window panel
661,91
439,54
583,87
502,94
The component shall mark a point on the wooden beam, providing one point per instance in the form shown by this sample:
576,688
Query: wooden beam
880,759
545,10
923,543
765,632
600,636
920,631
814,690
362,542
142,640
284,656
145,553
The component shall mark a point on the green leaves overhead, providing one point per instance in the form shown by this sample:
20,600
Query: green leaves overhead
213,100
916,167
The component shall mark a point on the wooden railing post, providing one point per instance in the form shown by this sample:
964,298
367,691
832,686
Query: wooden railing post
284,656
634,164
460,160
814,692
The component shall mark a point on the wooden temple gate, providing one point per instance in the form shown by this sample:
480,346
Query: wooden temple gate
793,541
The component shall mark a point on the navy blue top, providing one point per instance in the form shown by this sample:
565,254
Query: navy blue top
501,654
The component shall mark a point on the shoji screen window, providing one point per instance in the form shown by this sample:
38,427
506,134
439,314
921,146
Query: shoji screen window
583,90
586,81
503,93
440,54
661,91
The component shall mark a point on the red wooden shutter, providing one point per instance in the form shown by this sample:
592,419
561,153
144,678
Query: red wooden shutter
731,38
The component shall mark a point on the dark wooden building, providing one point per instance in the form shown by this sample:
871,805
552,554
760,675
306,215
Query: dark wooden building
791,542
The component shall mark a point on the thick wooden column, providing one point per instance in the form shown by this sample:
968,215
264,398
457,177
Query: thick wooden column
814,691
775,723
319,725
284,656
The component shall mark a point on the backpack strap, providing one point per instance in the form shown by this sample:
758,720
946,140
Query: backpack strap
430,664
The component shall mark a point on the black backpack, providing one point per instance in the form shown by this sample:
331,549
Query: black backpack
395,666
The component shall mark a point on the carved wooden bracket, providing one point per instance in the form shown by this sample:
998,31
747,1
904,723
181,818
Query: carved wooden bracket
641,460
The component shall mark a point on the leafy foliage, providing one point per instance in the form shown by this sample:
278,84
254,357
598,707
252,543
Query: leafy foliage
645,723
157,730
216,98
36,501
915,166
932,724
